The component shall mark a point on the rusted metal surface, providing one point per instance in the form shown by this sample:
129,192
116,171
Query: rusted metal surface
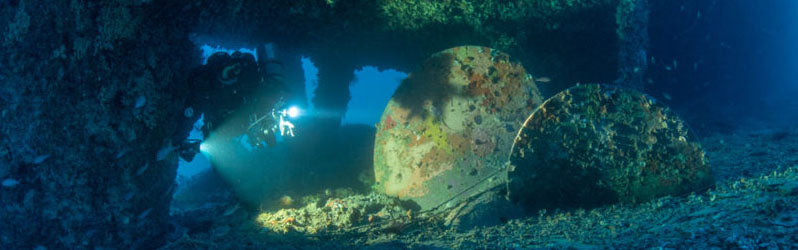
593,144
449,127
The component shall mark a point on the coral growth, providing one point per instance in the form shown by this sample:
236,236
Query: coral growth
72,78
334,214
592,145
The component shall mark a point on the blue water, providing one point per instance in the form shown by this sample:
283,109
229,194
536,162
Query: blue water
370,91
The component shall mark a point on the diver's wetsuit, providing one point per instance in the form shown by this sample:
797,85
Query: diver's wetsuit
222,86
232,89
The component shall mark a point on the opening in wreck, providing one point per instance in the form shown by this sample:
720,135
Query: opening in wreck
251,176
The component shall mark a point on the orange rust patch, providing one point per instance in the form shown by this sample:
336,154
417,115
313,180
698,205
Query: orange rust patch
475,87
389,123
459,144
413,142
399,114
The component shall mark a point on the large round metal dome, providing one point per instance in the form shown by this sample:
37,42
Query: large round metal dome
447,131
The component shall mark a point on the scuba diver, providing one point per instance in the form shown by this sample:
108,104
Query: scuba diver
238,95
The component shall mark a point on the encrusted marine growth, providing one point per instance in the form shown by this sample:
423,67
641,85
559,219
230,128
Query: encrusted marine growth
450,125
593,144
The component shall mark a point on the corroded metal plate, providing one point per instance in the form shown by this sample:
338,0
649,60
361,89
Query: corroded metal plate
447,131
594,144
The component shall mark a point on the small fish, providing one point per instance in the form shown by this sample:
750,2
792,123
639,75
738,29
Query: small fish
171,189
29,197
129,196
142,169
695,66
144,214
724,45
40,159
668,68
121,153
543,79
666,95
163,152
10,182
675,64
140,101
231,210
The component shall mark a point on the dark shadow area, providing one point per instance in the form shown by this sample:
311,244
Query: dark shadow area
561,184
582,51
723,64
428,84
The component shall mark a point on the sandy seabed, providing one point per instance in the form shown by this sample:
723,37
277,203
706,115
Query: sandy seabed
752,205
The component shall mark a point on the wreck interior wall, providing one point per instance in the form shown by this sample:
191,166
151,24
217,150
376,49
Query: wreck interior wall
89,95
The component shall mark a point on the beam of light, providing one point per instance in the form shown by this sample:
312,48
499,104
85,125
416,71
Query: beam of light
293,112
252,173
204,147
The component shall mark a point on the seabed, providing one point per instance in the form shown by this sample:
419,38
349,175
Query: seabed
752,205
